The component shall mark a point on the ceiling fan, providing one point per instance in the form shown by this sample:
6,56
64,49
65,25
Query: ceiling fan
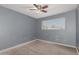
40,8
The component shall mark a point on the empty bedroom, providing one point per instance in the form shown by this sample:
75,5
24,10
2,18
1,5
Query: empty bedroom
39,29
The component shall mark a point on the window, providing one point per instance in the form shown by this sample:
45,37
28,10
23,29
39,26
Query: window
54,24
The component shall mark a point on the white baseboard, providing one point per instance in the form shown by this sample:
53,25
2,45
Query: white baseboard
33,41
57,43
19,45
77,51
60,44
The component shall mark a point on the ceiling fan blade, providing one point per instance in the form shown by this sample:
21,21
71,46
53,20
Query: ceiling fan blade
32,9
44,11
46,6
36,6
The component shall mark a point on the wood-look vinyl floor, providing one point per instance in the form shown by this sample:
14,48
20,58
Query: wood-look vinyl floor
41,48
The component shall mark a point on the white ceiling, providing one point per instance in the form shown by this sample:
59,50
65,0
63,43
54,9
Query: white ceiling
52,9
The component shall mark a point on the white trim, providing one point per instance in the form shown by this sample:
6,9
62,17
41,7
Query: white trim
57,43
77,50
60,44
19,45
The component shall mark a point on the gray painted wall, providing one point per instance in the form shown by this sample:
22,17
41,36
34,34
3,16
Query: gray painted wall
15,28
77,27
67,36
